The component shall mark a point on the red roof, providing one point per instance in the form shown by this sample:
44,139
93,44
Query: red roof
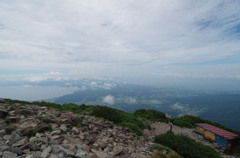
218,131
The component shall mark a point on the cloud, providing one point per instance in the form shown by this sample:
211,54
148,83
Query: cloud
109,99
120,39
177,106
130,100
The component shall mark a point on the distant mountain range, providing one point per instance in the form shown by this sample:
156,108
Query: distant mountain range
215,106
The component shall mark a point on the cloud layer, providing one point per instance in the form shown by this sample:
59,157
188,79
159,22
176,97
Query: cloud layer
109,99
129,39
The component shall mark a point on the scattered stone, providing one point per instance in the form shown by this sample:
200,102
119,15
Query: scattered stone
10,128
8,154
67,151
30,156
46,152
15,150
2,133
117,150
75,130
81,154
100,154
15,136
21,142
41,127
63,127
27,131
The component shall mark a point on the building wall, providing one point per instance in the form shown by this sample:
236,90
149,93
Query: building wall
220,140
209,135
201,130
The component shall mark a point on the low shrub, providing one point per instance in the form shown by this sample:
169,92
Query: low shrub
186,146
133,123
151,115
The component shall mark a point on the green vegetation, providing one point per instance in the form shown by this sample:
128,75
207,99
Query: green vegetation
190,121
159,154
151,115
130,121
186,146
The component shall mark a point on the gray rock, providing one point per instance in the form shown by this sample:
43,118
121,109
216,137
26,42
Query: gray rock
6,137
117,150
15,150
26,131
15,136
38,135
30,156
75,130
63,127
55,149
68,152
3,148
41,127
8,154
61,155
46,152
21,142
2,133
101,154
1,153
53,156
81,154
57,139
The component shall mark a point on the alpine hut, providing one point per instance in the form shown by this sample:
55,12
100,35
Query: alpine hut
224,138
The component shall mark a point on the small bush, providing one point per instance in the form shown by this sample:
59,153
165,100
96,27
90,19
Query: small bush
186,146
133,123
151,115
158,147
107,113
173,155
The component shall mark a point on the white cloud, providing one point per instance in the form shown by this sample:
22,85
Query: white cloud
120,39
177,106
130,100
109,99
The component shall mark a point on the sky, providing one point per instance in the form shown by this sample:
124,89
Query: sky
138,41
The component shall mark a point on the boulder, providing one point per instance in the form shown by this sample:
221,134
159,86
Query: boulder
63,127
117,150
2,133
41,127
81,154
15,150
46,152
100,154
8,154
27,131
21,142
75,130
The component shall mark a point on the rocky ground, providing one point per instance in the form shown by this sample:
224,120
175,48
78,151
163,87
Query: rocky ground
41,132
